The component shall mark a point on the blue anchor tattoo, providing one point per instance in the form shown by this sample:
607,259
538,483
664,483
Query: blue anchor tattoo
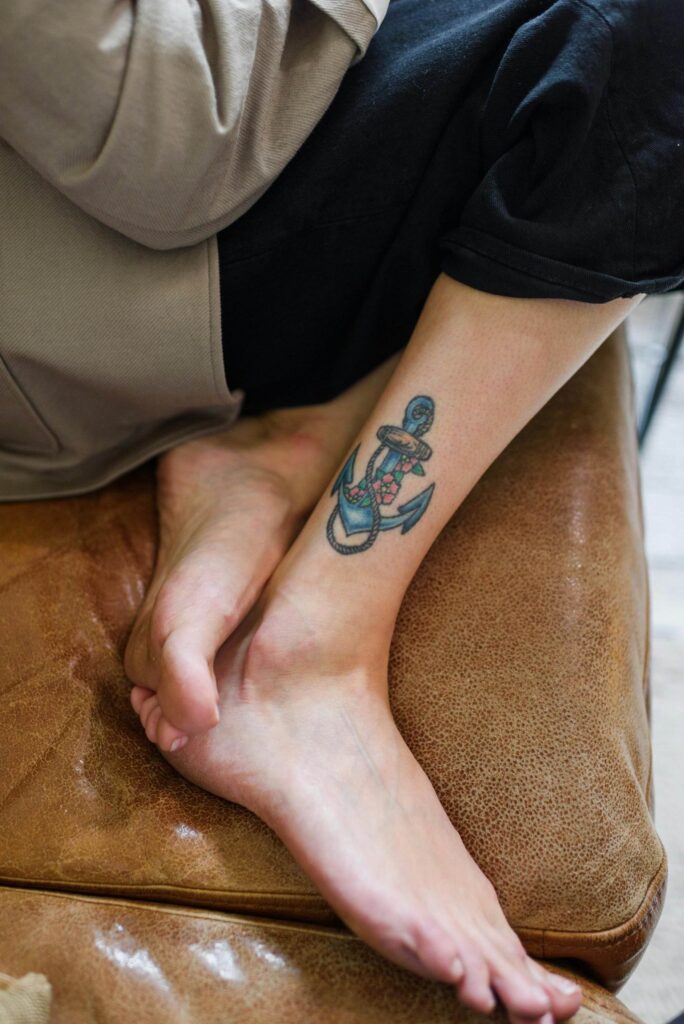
358,506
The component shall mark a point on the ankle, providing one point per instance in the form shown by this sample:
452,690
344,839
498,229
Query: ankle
305,630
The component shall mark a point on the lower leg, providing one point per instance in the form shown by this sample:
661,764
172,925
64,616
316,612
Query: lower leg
488,363
306,738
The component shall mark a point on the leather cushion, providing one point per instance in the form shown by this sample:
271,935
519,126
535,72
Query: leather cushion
518,678
150,964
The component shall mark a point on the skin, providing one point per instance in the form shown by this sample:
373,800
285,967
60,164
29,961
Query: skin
230,505
305,736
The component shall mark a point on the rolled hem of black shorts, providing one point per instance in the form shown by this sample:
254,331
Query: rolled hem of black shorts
491,266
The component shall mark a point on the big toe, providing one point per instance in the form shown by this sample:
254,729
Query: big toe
565,996
187,689
138,661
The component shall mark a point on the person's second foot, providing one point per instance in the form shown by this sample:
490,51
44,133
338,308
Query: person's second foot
229,506
307,741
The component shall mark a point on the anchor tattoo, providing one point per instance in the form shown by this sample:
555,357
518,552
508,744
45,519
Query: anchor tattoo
359,505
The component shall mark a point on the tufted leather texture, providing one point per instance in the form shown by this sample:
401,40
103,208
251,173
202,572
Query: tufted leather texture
518,678
150,964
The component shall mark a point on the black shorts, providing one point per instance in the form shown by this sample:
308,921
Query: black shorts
532,148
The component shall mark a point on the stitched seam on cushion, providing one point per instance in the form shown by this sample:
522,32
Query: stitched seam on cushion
656,884
150,906
541,933
602,17
621,936
159,887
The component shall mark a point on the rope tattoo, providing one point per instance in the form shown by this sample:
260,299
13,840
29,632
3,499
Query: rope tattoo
358,506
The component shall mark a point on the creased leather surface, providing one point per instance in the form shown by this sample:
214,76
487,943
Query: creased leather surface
122,962
518,672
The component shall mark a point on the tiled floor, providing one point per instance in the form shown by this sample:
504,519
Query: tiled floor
656,990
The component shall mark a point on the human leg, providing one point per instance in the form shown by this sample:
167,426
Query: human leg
306,738
322,282
229,506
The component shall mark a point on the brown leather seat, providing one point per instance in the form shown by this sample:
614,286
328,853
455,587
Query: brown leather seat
518,677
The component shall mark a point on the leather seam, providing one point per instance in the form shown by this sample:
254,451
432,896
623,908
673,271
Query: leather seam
578,940
172,908
153,887
605,937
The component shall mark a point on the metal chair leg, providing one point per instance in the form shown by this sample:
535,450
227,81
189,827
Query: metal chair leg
671,351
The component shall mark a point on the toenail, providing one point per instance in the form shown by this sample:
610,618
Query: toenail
563,985
178,744
546,1019
456,970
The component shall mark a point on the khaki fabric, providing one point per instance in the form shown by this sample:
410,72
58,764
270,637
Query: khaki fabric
167,119
132,133
109,352
25,1000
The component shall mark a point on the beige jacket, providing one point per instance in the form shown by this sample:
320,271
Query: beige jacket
133,132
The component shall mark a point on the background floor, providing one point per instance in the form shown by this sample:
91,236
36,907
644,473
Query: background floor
656,990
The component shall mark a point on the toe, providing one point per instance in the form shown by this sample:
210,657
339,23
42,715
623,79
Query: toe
137,663
564,994
438,951
474,989
170,739
563,997
157,729
187,688
149,705
514,1018
172,648
152,722
519,991
520,995
451,955
139,694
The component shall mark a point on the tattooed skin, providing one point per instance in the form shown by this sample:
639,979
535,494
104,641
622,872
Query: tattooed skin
359,506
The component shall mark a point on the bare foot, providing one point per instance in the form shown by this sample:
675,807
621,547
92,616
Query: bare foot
307,741
229,507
